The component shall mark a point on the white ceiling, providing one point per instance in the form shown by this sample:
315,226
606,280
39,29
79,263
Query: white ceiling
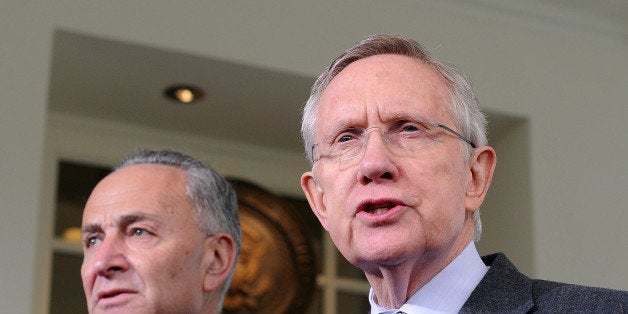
112,80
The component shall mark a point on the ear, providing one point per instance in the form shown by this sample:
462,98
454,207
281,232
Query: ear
481,166
315,196
219,259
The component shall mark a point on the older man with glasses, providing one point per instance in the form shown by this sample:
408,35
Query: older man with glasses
400,167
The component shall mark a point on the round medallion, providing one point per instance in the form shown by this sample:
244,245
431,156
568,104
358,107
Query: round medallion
276,271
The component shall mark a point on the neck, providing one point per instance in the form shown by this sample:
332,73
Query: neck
394,285
211,304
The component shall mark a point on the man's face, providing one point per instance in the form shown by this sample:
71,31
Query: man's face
143,249
386,209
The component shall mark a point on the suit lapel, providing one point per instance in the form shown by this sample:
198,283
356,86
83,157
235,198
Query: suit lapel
503,288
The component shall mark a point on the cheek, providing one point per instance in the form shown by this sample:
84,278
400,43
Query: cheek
187,262
446,177
334,202
85,278
336,189
183,258
164,265
171,278
337,204
439,189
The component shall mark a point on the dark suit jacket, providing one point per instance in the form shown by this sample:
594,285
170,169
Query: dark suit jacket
505,289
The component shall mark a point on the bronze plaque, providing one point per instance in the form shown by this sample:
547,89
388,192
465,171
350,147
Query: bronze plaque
276,270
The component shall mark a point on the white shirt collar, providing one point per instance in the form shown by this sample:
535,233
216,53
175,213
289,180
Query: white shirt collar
447,291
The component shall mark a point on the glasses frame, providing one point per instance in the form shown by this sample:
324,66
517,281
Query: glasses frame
436,124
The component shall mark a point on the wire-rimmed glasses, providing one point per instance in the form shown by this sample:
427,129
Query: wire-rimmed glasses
402,138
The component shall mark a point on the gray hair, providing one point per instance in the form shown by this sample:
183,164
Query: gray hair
463,106
214,198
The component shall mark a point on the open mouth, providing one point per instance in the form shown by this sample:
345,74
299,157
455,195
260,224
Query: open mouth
111,295
378,208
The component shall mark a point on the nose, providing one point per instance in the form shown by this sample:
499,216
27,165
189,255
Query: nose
377,164
108,258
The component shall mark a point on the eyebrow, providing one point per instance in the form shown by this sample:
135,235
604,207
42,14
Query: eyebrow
342,124
349,123
91,228
404,115
122,221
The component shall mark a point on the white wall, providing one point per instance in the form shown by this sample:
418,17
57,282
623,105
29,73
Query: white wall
564,72
24,60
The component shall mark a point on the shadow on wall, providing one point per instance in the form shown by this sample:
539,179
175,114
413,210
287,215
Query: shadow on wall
507,210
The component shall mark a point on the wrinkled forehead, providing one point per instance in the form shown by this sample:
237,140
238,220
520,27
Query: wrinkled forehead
382,88
154,189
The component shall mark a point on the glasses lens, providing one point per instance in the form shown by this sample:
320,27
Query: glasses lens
405,139
398,144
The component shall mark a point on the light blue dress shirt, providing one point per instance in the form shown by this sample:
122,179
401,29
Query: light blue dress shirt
447,291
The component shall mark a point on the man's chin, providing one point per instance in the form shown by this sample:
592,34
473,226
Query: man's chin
377,260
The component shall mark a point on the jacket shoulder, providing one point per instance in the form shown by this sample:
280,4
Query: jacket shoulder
550,296
505,289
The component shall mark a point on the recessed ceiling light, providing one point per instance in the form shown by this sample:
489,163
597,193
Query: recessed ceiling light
183,93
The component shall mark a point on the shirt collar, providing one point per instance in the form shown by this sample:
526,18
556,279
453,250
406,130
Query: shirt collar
447,291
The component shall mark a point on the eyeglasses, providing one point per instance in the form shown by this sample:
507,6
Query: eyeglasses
403,138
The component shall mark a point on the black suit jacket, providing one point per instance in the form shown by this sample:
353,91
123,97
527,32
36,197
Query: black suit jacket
505,289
